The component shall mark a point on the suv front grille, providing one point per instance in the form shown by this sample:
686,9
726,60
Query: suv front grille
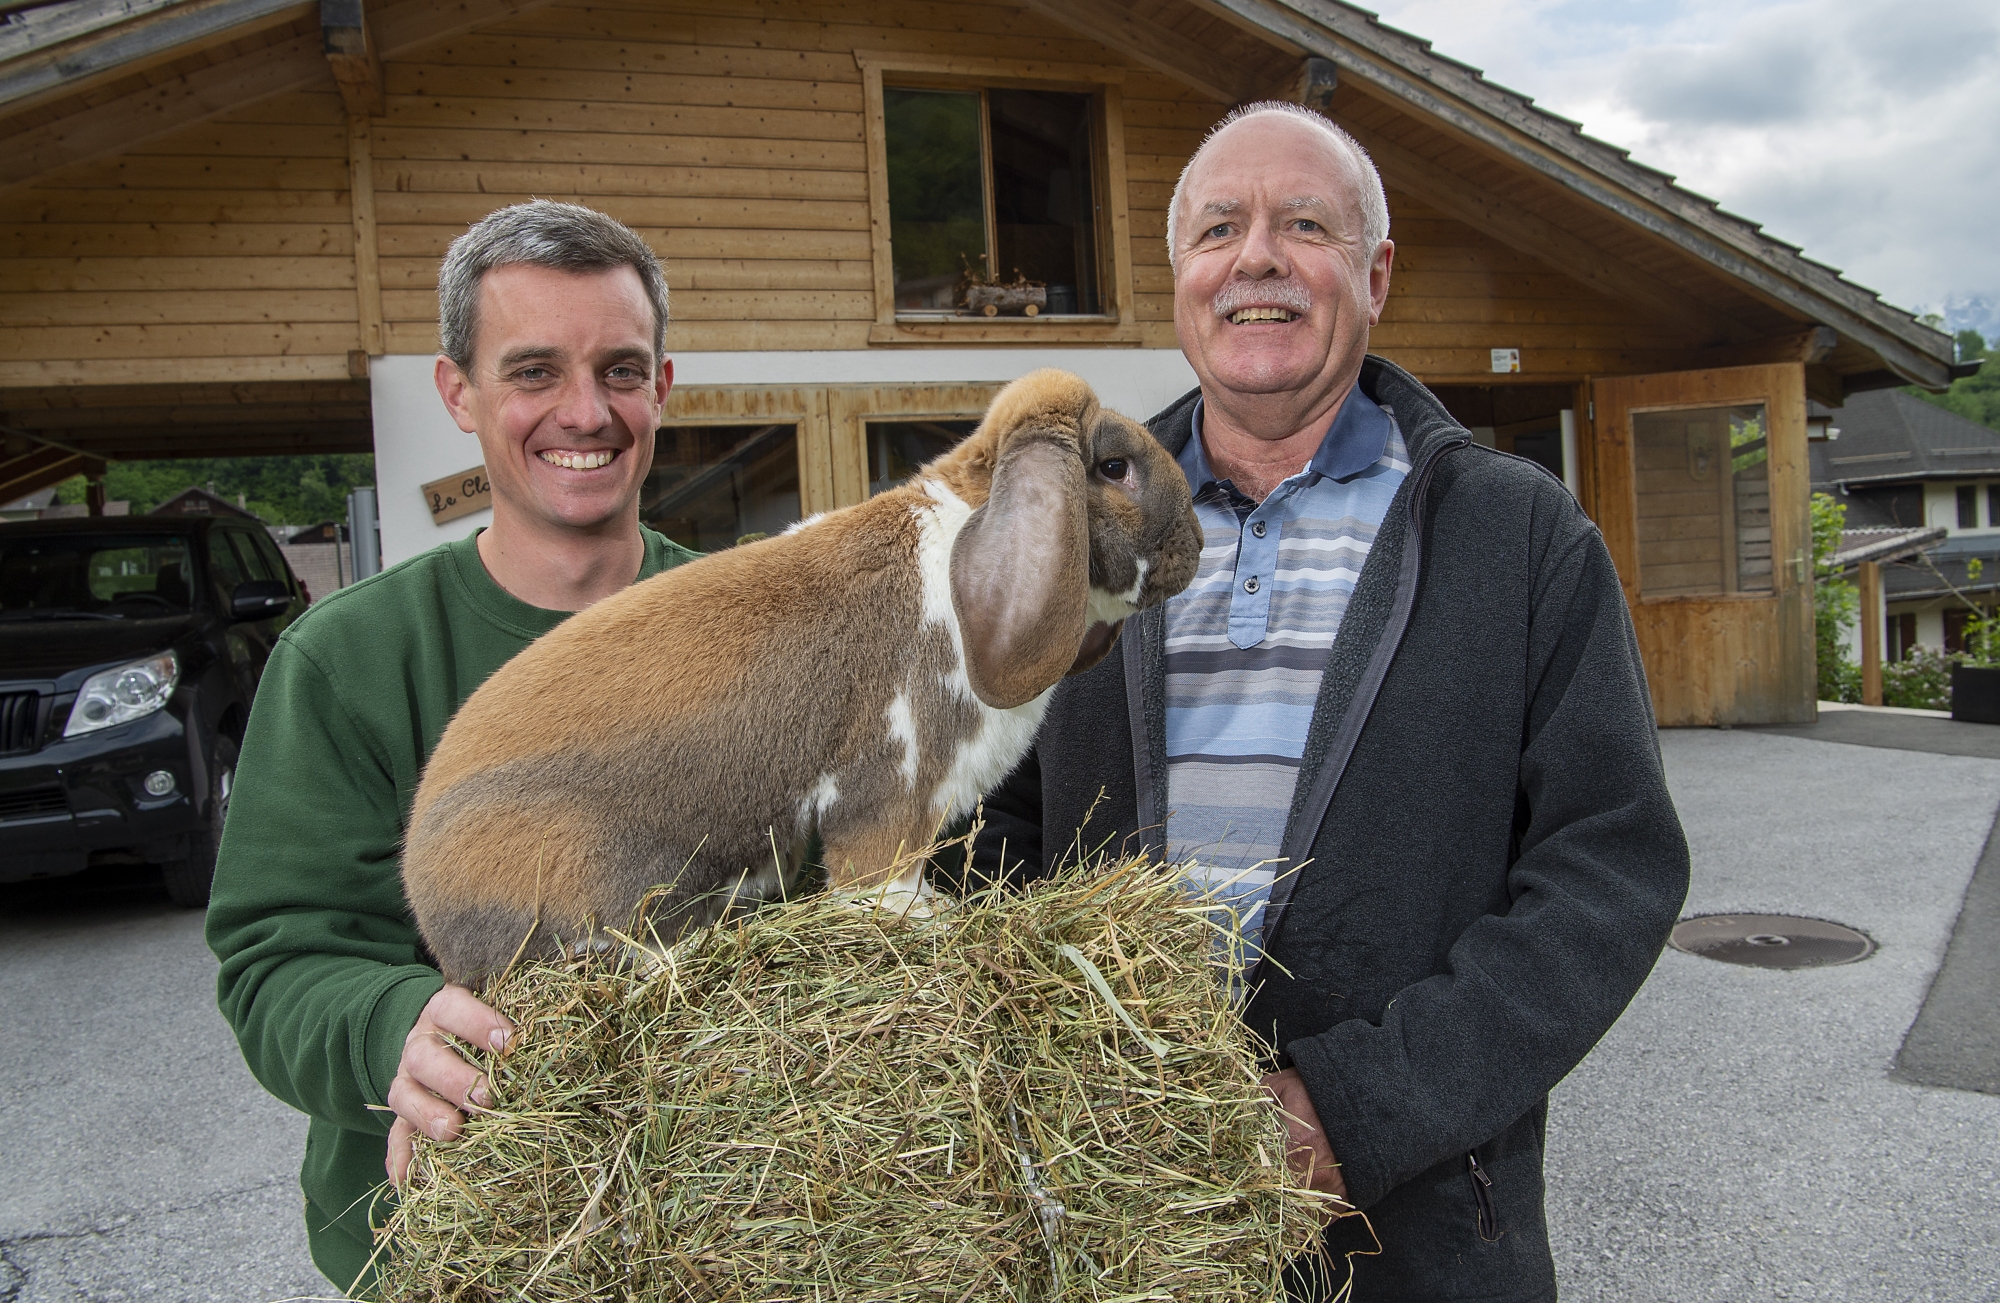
33,803
20,714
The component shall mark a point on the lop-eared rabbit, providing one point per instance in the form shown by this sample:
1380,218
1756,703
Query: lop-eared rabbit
869,674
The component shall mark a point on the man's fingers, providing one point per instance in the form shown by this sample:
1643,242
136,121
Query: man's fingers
423,1110
438,1068
402,1149
458,1011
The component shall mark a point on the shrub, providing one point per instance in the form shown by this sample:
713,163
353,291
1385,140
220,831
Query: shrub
1835,602
1921,681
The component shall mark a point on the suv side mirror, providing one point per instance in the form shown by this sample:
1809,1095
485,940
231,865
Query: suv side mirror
259,599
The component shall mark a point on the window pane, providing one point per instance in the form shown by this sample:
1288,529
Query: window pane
92,573
274,560
937,204
1704,489
1993,506
1043,196
897,448
712,484
249,557
1968,507
223,567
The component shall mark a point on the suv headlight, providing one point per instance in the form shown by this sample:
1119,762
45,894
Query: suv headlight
122,695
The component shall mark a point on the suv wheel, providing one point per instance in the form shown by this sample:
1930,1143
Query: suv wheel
188,880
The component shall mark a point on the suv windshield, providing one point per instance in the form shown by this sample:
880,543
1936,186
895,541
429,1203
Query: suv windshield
102,577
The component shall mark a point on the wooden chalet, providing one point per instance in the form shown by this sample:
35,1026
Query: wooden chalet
221,220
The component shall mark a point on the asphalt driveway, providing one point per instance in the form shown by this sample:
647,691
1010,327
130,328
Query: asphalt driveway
1738,1136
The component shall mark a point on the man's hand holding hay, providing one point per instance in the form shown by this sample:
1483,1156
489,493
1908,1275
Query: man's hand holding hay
1306,1146
432,1075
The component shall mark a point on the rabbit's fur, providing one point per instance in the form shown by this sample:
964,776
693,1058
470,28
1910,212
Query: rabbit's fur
869,674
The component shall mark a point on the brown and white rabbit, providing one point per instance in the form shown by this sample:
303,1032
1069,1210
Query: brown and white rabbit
869,674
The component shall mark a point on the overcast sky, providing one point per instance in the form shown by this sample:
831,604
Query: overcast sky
1865,131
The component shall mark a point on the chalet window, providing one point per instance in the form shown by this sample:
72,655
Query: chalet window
1704,496
1993,505
1902,635
1968,506
711,485
897,448
996,181
997,166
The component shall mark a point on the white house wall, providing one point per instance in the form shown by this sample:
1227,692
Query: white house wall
416,441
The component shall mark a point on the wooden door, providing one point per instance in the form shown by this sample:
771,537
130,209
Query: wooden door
1701,488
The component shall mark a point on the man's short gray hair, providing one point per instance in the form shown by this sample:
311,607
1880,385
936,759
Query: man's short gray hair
565,237
1374,204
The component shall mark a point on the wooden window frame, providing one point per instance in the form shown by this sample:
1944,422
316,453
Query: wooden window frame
803,406
832,422
1118,322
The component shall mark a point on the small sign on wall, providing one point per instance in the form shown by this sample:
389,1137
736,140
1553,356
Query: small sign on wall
1506,361
458,495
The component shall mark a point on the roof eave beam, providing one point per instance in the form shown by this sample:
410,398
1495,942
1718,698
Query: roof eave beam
131,46
350,52
1538,238
1165,52
1300,22
129,120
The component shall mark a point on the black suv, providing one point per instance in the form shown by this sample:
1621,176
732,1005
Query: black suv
130,648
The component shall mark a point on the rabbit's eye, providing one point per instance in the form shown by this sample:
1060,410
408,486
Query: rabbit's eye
1113,468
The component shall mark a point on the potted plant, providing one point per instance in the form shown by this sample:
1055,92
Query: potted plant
1975,681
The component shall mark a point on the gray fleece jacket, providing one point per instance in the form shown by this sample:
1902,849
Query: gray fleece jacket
1493,862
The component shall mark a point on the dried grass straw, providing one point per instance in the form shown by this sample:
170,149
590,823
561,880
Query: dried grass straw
1041,1095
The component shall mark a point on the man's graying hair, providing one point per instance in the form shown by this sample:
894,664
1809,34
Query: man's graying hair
564,237
1374,204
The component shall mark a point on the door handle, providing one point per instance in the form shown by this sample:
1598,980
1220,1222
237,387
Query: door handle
1799,565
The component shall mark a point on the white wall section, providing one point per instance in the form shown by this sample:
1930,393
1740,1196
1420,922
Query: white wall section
416,440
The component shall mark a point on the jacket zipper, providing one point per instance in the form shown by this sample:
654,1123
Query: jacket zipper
1482,1197
1364,697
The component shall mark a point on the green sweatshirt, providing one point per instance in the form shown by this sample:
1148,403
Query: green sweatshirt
322,971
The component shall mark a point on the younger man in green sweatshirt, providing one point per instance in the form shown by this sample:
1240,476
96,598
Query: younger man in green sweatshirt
553,329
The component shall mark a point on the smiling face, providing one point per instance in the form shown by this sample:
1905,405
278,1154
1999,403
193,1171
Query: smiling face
1274,289
564,395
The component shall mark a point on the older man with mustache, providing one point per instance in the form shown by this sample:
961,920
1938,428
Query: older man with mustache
1397,730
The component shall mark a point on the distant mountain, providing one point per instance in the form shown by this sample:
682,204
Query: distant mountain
1980,312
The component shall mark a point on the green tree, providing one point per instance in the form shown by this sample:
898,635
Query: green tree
1976,397
1835,602
281,490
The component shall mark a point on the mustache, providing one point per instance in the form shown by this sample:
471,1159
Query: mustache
1289,294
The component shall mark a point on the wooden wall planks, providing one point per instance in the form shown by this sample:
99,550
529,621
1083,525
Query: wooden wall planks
729,132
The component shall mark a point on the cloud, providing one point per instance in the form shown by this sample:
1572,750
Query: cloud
1866,131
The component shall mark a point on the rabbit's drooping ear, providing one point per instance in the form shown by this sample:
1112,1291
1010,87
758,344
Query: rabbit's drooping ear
1020,568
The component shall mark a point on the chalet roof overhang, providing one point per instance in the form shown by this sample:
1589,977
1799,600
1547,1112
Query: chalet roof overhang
1884,545
71,91
1986,470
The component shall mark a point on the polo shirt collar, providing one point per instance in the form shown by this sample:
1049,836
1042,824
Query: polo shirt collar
1354,441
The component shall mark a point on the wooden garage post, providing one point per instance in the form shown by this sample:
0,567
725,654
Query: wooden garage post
1871,633
367,264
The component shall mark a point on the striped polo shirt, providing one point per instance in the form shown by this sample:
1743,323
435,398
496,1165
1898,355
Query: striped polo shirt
1247,641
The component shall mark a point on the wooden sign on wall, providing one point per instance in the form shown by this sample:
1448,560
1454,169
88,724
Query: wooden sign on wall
458,495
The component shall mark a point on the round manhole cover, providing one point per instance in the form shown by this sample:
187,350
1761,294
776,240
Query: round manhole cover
1771,940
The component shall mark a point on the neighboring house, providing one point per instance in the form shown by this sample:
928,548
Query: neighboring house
1902,463
220,226
319,555
192,501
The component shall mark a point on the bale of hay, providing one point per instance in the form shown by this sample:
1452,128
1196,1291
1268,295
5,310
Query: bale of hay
1038,1096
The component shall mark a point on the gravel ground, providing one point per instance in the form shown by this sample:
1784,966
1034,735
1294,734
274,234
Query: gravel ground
1737,1135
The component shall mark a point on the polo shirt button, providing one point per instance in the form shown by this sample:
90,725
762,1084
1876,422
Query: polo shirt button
1250,584
1257,528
